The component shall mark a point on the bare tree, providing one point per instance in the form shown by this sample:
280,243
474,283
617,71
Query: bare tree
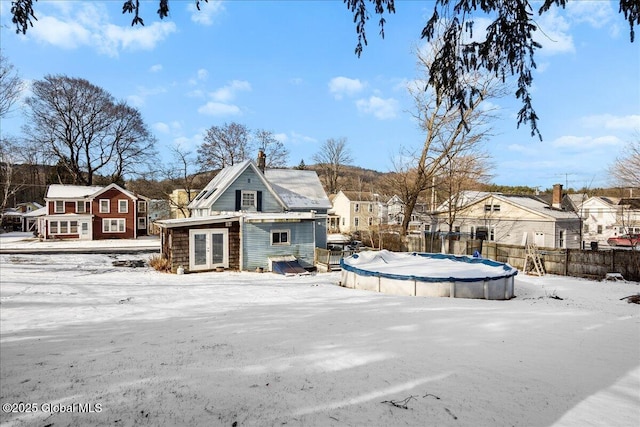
449,133
183,176
625,171
86,131
463,172
224,146
8,183
11,86
332,157
277,154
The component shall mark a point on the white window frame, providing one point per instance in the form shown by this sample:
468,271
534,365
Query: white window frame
120,225
356,222
55,206
51,227
356,207
81,206
142,223
105,206
142,206
280,233
254,196
121,205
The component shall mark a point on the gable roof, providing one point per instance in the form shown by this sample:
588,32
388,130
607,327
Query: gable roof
60,191
223,180
530,203
299,189
114,186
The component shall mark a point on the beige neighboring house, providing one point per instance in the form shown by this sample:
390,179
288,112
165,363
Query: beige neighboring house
356,211
606,217
178,202
516,220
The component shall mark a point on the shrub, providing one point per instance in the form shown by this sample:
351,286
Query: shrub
160,263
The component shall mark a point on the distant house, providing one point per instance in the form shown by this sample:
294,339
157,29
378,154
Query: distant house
93,213
606,217
249,217
357,211
179,201
515,220
420,217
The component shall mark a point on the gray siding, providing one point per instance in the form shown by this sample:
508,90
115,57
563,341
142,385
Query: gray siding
247,181
258,248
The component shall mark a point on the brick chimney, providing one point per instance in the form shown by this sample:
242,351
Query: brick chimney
556,198
262,160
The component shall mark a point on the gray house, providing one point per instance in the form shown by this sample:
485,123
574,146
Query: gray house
249,217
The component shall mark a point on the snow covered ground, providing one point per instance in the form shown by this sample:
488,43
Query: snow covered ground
86,343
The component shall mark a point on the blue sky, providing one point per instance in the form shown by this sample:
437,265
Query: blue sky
289,67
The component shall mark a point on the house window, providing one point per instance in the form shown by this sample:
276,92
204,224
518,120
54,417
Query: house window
280,237
370,207
472,232
248,200
599,229
104,206
63,227
370,221
80,207
343,221
113,225
487,208
123,206
356,207
586,228
356,221
142,206
492,234
142,223
561,239
59,208
496,208
456,229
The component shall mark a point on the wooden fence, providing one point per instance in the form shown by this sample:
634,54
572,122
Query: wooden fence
592,264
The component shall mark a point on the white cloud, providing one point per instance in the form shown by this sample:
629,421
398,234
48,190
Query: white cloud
282,137
585,142
598,14
201,75
553,34
87,24
161,127
380,108
228,92
341,86
155,68
609,121
208,11
219,109
300,138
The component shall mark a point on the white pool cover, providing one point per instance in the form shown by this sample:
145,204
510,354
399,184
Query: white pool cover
426,274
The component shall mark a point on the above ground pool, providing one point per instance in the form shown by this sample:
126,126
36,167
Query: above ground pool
425,274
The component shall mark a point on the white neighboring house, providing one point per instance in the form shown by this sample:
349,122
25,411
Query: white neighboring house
515,220
607,217
354,211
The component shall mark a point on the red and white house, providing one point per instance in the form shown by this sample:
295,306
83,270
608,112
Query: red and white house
93,213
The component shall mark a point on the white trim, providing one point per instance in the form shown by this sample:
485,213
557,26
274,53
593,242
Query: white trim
107,223
108,210
208,264
126,206
55,206
288,234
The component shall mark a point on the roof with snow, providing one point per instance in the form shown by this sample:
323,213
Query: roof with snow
295,189
299,189
59,191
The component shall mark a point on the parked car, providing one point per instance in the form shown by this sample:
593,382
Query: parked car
625,240
355,245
